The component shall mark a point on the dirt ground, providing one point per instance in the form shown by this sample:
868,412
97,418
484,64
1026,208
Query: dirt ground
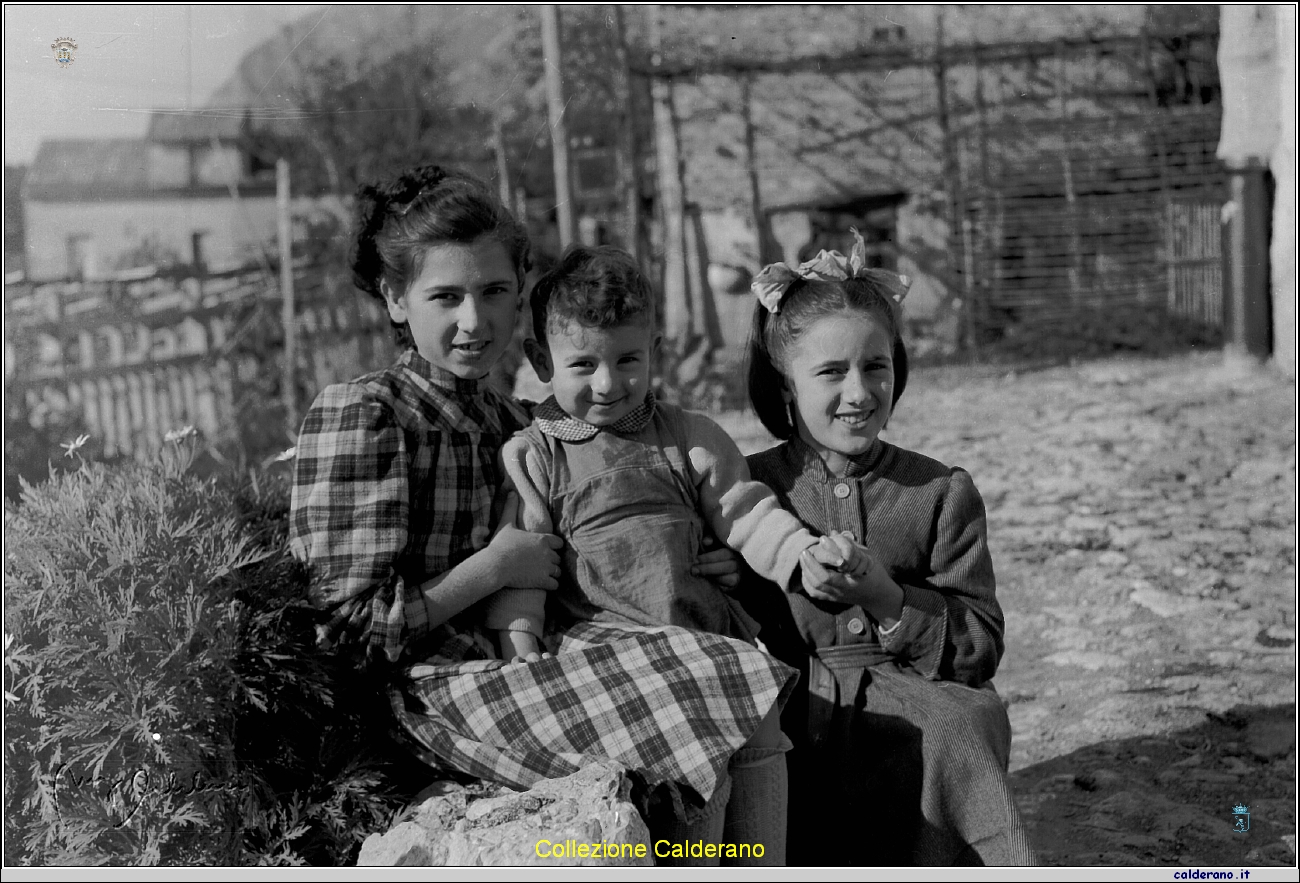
1142,517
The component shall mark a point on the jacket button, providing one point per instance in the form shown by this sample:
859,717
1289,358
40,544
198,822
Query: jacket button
842,490
857,626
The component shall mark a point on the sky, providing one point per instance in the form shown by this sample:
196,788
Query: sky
129,59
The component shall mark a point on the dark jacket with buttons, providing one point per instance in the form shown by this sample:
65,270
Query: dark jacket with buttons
925,523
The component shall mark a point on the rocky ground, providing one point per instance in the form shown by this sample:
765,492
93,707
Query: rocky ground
1142,517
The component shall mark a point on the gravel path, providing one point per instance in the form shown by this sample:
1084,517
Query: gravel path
1142,517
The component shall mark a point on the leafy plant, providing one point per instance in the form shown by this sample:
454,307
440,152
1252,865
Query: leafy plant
36,441
165,702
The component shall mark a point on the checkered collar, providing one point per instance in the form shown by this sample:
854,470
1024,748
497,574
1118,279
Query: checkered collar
551,419
441,378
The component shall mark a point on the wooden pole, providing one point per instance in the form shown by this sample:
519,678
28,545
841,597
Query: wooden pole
503,169
553,62
751,169
951,185
1067,176
284,234
1149,69
672,202
1249,303
989,237
629,172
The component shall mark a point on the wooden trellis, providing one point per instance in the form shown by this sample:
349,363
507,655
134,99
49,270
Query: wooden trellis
1068,172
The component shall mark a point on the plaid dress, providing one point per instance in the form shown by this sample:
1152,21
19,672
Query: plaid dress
394,482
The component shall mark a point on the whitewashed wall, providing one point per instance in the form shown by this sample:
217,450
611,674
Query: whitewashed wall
233,230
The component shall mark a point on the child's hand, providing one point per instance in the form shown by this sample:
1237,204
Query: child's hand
522,559
720,566
853,558
836,569
839,569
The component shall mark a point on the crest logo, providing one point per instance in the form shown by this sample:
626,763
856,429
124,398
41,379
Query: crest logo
1242,814
63,48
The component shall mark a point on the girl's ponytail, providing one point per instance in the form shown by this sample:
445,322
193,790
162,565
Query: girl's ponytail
375,204
900,369
365,261
766,383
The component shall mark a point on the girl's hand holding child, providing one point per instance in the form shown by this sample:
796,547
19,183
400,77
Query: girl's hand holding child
520,558
523,560
720,565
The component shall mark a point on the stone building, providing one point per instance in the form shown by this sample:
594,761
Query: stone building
94,207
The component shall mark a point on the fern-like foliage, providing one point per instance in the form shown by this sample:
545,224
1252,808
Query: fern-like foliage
165,701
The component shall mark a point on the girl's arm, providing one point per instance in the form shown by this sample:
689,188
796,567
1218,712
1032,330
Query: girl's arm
520,559
348,522
518,609
951,626
743,513
947,626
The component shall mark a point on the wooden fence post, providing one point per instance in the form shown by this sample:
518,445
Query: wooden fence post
761,239
677,313
952,187
1248,307
553,62
284,233
629,172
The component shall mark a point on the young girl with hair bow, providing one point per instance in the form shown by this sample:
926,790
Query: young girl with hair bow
899,736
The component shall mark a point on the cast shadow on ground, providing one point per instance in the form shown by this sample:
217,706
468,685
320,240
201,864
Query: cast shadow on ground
1165,800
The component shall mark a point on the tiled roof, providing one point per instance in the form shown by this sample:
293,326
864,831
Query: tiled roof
87,168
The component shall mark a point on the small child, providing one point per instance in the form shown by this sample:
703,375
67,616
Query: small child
897,730
629,483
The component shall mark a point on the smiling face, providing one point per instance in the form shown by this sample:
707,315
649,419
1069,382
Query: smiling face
839,374
599,375
461,308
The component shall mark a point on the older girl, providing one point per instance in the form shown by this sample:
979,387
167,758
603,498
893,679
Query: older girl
901,744
391,507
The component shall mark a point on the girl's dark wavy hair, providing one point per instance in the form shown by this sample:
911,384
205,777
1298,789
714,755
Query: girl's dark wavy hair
772,335
399,218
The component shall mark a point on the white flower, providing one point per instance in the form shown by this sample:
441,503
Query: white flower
179,435
72,447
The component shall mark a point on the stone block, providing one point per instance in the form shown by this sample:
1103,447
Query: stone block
576,820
